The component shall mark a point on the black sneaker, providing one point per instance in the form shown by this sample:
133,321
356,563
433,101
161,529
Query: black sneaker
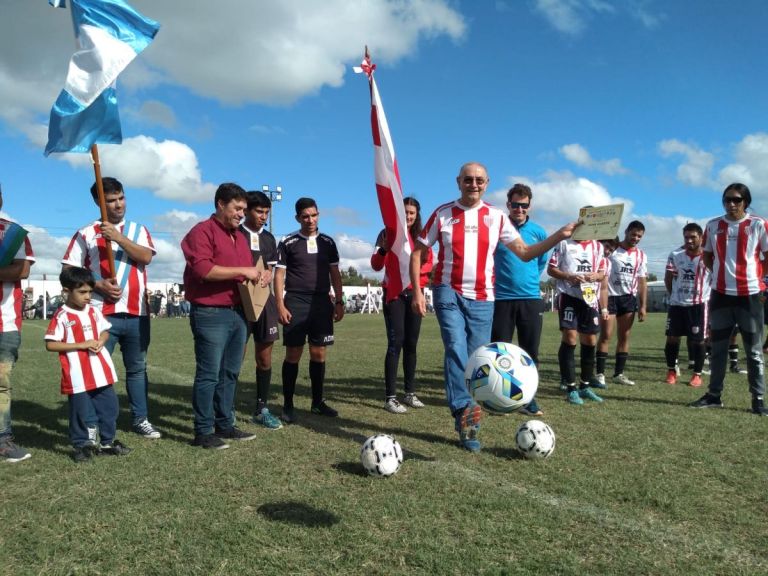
209,441
288,416
324,410
707,401
82,454
758,407
235,433
117,448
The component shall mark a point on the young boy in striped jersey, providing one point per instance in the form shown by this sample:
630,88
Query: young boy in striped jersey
78,332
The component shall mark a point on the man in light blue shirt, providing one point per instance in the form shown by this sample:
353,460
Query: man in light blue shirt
518,302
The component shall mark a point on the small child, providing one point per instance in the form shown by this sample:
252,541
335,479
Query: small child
78,332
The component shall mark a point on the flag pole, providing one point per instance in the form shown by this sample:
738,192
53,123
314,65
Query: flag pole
102,205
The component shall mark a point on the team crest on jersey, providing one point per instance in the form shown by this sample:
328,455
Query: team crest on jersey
488,220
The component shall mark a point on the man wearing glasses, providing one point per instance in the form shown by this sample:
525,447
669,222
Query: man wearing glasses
733,244
518,302
467,231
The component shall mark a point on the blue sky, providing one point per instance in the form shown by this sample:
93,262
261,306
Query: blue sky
657,104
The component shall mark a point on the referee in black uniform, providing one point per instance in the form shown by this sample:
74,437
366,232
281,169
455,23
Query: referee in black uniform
307,267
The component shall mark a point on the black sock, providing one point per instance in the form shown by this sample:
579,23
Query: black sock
565,356
587,362
317,377
621,362
698,357
263,382
290,373
671,352
602,359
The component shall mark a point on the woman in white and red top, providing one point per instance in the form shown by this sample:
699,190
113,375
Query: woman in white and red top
733,245
467,231
78,332
402,323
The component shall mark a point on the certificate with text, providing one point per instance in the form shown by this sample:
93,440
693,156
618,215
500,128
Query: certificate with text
599,222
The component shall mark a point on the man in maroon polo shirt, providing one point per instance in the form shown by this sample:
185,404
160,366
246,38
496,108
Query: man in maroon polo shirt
218,257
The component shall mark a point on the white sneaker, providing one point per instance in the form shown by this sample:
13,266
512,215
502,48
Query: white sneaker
413,401
93,437
392,405
600,378
145,429
621,379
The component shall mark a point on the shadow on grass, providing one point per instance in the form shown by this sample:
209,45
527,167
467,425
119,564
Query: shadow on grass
298,513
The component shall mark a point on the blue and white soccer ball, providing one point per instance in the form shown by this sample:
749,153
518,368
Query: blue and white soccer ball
381,455
535,439
501,376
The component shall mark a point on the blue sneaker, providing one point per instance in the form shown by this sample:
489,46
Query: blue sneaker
574,398
531,409
468,425
267,420
589,395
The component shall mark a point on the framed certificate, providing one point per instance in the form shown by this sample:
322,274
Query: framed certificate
599,222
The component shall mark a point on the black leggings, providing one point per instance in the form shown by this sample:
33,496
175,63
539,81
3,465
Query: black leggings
403,327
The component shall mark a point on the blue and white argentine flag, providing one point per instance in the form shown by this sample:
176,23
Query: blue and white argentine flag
110,34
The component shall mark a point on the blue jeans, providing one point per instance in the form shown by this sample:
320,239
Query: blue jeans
93,408
132,332
9,353
220,335
464,326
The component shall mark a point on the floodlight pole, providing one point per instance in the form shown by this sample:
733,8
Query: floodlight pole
275,195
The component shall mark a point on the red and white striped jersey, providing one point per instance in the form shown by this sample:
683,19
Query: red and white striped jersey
627,266
574,257
690,281
81,370
467,238
736,247
88,250
11,295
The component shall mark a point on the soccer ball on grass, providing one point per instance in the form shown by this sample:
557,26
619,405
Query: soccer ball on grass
535,439
501,376
381,455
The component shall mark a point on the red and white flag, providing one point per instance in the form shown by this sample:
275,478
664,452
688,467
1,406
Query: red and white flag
389,191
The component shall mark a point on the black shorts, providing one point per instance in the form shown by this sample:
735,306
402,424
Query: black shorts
620,305
311,319
575,314
689,321
265,329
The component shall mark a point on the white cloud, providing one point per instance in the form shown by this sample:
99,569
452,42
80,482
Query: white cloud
278,52
750,164
696,170
570,16
580,156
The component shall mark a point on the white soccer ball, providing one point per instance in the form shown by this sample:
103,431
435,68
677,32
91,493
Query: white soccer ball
501,376
535,439
381,455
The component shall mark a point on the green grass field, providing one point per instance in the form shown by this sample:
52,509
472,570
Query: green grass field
638,485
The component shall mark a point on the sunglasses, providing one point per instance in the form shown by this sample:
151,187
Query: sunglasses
521,205
733,200
469,179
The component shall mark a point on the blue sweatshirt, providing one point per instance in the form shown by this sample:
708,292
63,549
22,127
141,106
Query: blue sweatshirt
515,279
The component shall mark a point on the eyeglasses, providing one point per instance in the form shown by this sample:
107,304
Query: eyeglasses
521,205
470,179
733,200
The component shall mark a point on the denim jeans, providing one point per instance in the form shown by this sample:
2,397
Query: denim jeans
132,333
464,326
9,353
220,335
93,408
